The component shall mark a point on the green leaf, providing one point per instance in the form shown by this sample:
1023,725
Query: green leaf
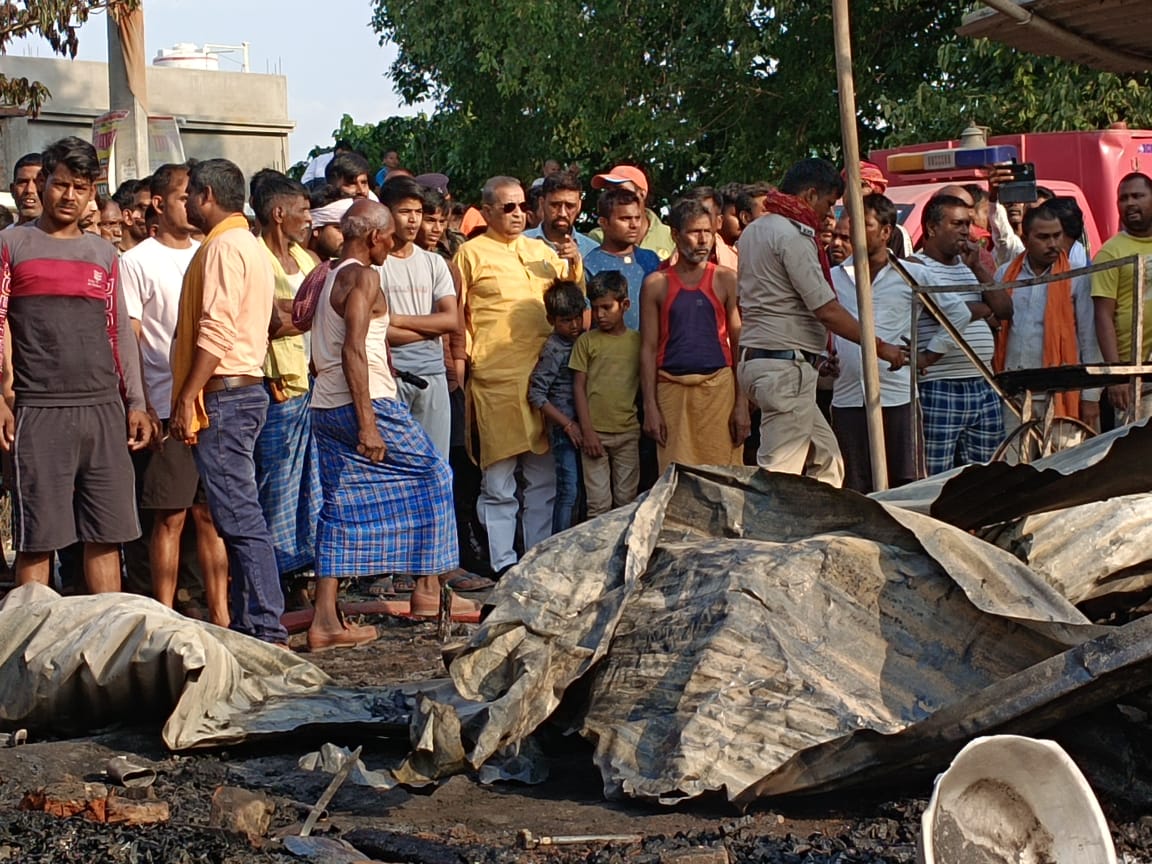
56,21
715,90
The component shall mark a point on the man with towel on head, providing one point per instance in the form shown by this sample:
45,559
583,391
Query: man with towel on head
873,182
329,205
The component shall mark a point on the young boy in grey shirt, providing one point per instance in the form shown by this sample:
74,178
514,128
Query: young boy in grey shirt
550,391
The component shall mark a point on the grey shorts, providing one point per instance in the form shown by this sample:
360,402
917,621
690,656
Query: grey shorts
171,480
72,477
431,408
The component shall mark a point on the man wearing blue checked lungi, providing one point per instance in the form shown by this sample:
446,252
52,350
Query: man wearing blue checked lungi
387,491
286,473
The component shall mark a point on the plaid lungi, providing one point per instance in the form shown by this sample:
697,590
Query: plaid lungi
288,479
394,516
963,422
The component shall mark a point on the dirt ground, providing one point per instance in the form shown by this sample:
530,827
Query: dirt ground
477,823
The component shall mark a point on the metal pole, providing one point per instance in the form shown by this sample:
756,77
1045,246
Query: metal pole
1139,286
935,311
855,203
914,396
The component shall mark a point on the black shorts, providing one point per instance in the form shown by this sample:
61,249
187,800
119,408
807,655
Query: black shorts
72,477
171,480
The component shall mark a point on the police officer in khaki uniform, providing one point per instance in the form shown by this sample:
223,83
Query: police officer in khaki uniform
788,306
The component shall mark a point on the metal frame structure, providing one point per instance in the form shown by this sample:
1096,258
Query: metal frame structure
1031,381
1100,56
1111,35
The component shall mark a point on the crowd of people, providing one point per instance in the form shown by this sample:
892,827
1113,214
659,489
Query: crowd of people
359,378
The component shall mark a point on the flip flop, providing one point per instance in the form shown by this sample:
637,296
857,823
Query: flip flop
403,583
385,586
468,582
353,636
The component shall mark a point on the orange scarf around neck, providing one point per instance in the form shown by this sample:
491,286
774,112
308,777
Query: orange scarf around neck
1060,345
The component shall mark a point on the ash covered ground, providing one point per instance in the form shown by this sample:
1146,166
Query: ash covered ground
464,821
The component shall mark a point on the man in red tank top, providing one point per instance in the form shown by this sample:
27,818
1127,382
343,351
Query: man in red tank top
689,326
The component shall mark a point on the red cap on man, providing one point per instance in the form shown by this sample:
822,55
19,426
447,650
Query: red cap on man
871,174
622,174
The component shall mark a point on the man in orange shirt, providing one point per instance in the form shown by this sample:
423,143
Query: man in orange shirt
217,375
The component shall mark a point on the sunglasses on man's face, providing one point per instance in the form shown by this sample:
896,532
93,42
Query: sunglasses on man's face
511,206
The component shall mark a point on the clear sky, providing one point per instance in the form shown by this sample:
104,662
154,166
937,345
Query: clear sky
329,53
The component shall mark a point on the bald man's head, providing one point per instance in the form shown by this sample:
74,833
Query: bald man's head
957,191
363,217
367,228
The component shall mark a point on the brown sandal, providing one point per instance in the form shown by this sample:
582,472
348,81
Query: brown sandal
352,636
460,606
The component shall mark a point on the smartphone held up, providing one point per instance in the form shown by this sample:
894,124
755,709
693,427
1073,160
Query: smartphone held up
1019,185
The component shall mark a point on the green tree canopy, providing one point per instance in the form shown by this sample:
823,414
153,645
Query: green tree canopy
56,21
707,90
413,137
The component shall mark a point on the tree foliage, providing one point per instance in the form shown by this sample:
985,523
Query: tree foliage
983,82
414,137
712,90
57,22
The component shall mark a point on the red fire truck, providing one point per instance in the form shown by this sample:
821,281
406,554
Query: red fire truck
1085,165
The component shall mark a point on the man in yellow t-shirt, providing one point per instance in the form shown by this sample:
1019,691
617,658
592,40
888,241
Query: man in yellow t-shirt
503,276
1113,290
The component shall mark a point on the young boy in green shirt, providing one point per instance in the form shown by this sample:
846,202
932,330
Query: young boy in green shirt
606,379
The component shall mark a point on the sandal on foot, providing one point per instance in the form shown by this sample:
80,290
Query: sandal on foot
382,587
403,583
352,636
460,606
468,582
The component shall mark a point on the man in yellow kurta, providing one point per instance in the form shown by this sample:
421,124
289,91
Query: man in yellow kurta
503,279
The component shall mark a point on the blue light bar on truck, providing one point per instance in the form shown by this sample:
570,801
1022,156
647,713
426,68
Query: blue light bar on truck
955,159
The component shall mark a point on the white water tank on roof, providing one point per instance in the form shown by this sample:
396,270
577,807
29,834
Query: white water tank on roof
186,55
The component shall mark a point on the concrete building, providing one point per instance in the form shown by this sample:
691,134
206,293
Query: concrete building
234,115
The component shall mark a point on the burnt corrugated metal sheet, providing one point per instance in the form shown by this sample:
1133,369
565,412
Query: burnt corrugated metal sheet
1107,466
1113,25
761,634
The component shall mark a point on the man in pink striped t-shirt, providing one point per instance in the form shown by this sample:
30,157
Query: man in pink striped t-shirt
79,404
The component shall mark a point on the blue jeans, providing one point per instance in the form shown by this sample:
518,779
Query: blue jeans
224,456
567,480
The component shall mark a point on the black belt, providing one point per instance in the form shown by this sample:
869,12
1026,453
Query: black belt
787,354
231,382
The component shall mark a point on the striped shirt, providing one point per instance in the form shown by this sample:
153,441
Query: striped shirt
72,343
931,336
